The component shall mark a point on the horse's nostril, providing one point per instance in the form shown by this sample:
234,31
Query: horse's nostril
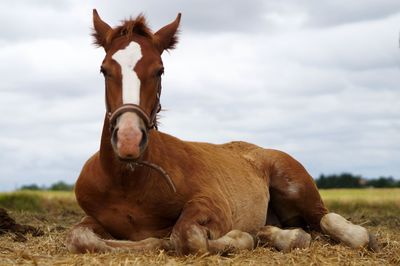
114,135
143,141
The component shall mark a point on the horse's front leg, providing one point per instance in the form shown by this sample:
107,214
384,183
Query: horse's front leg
205,225
90,236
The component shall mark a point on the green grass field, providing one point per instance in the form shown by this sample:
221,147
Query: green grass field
55,212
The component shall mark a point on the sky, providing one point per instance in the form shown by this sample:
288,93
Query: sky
316,79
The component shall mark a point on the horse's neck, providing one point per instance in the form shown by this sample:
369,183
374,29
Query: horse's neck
107,156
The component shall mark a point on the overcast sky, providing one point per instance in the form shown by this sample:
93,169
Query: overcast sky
317,79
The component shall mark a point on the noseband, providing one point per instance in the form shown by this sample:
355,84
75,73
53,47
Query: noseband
150,121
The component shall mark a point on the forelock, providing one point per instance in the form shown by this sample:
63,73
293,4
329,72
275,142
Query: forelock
131,27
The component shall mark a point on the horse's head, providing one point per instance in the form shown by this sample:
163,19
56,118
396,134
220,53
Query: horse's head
132,69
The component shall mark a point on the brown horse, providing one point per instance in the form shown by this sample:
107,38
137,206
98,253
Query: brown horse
146,190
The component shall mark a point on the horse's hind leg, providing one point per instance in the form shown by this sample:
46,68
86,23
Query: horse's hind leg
90,236
344,231
294,197
295,200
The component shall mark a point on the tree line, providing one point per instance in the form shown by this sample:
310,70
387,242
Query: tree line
344,180
58,186
347,180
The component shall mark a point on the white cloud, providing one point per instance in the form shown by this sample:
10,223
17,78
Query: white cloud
323,87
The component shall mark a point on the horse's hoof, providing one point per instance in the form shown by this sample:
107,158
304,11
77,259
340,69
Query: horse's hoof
284,240
342,230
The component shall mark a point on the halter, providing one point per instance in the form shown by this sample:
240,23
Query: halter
150,122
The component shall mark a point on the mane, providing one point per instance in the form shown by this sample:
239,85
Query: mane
129,27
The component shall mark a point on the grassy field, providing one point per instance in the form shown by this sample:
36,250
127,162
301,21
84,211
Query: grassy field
54,212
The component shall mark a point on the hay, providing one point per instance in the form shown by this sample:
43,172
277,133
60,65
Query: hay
380,217
50,250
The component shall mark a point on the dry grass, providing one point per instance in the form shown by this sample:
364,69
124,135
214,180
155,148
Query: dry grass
378,210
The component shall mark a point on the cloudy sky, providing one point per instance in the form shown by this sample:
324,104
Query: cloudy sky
317,79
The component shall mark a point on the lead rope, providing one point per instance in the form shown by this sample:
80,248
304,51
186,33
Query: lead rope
159,170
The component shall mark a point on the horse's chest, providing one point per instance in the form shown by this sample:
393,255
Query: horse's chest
136,220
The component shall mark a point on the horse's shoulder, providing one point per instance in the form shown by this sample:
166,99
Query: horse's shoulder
88,187
88,172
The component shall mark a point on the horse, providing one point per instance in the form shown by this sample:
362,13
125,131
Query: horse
147,190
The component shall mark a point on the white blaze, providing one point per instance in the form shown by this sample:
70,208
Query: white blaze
127,59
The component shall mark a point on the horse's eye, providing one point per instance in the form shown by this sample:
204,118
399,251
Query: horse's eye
103,71
160,72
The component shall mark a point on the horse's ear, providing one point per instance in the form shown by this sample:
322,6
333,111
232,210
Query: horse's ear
101,30
166,38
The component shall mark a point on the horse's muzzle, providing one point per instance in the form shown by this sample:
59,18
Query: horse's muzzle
129,136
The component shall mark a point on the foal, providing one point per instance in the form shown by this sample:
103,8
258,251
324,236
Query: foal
146,190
